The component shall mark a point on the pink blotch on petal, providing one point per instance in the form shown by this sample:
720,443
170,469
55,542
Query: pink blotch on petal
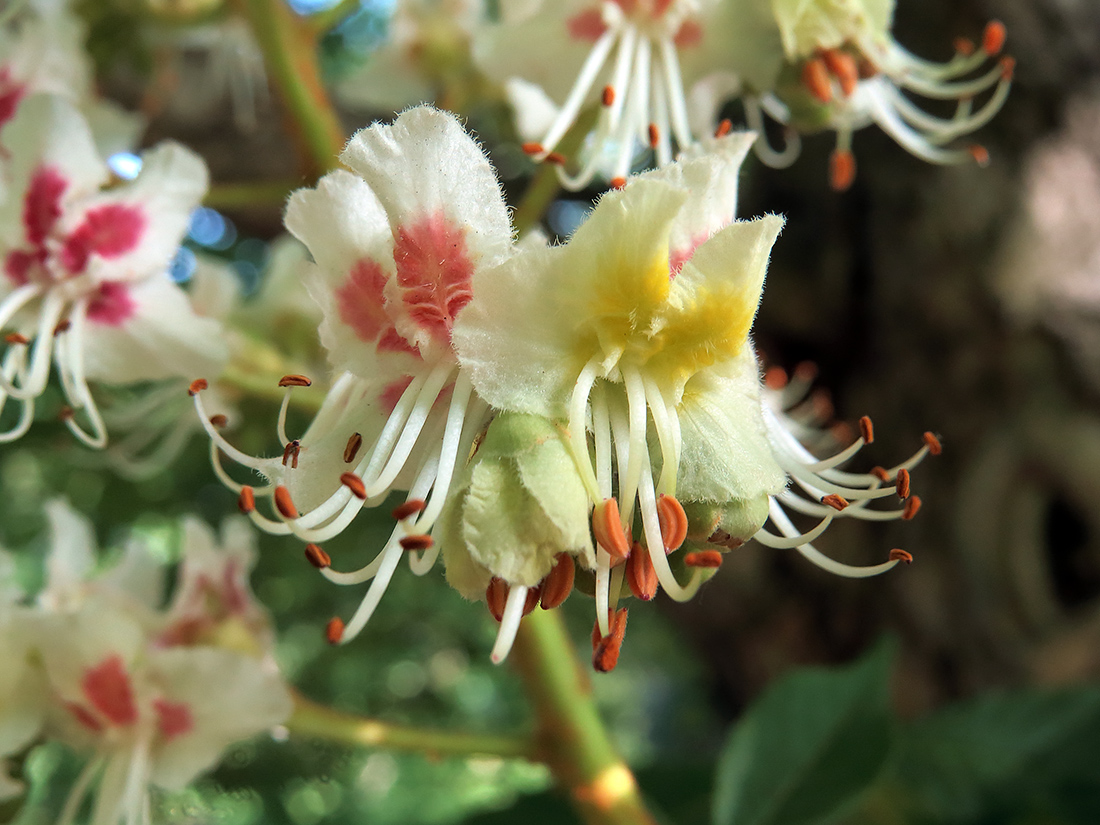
113,305
389,397
107,687
84,716
173,718
18,265
678,257
690,34
434,271
42,203
11,94
360,300
587,25
108,231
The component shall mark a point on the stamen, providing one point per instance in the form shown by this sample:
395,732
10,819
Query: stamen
334,630
246,501
654,135
880,473
710,559
617,182
355,441
558,583
912,507
63,326
509,623
197,386
608,529
901,555
290,452
532,600
219,420
532,148
496,594
673,520
608,96
640,574
866,430
844,69
16,338
606,655
842,170
836,502
903,484
284,503
993,38
979,153
934,446
775,378
555,159
295,381
355,484
420,541
66,413
815,77
318,557
964,46
724,128
409,508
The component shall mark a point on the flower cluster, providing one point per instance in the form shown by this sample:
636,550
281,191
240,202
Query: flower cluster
585,412
97,663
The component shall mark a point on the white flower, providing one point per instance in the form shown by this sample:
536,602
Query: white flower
84,259
397,244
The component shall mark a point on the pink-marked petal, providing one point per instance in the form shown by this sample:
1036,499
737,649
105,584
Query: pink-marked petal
19,263
586,25
361,304
690,34
112,306
42,203
108,231
434,271
85,717
392,393
107,687
173,718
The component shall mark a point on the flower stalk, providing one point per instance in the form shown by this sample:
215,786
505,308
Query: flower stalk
571,738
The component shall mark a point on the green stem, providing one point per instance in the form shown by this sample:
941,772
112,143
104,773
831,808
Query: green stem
289,46
312,719
571,738
241,195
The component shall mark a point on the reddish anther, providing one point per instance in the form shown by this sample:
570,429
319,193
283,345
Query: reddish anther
994,37
290,453
806,371
355,441
674,522
218,420
933,443
556,159
618,183
836,502
355,484
532,148
64,326
654,135
703,558
866,429
246,501
912,507
284,503
16,338
901,555
964,46
903,483
295,381
842,170
979,153
640,574
419,541
843,67
66,413
881,474
606,654
608,529
409,508
318,557
532,599
334,630
496,596
724,128
815,77
775,378
558,583
608,96
197,386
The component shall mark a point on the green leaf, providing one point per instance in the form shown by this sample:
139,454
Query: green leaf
808,746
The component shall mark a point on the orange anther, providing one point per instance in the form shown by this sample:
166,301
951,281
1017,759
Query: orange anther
284,503
197,386
558,583
608,96
295,381
1008,67
355,484
844,69
979,153
496,596
912,507
410,507
334,630
815,77
219,420
836,502
420,541
64,326
606,655
703,558
775,378
16,338
901,555
880,474
994,36
654,135
246,501
317,557
903,483
866,429
532,148
842,170
806,371
290,453
964,46
608,529
556,158
355,441
640,574
933,443
674,522
618,183
724,128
